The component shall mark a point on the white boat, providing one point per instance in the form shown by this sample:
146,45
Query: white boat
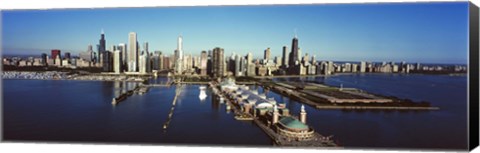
202,95
202,87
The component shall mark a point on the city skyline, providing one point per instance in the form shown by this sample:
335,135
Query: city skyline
368,39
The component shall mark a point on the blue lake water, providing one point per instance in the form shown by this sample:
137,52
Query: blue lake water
81,111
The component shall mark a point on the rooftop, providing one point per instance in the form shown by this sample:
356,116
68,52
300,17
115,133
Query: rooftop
292,123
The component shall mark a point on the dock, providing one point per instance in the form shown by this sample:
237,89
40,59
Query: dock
178,91
124,96
351,99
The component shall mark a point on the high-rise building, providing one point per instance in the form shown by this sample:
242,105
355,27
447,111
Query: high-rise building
54,54
363,67
209,63
314,60
305,60
180,47
123,52
299,57
132,52
203,63
237,66
179,60
117,61
142,63
250,66
107,62
266,55
285,57
155,58
231,64
278,61
161,62
147,63
293,57
188,62
102,44
44,59
243,66
218,62
249,58
67,55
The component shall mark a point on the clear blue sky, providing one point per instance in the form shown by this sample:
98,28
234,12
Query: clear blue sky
412,32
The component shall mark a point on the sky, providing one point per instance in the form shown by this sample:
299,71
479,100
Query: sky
412,32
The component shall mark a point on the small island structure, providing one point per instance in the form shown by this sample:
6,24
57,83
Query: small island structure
274,119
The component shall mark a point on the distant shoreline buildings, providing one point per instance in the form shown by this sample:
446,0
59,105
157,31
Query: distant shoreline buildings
130,58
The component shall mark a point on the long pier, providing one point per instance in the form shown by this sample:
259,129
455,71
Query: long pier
124,96
300,96
139,89
178,90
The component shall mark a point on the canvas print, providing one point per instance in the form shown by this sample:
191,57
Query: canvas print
373,75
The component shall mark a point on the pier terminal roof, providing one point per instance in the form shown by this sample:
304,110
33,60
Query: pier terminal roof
292,123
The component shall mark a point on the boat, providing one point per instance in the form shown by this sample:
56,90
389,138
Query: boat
202,95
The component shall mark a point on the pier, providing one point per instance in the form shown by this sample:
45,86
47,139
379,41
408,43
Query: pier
316,140
178,91
139,89
124,96
326,97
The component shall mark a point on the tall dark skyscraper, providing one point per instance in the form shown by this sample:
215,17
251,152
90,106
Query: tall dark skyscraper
285,57
102,45
294,54
218,62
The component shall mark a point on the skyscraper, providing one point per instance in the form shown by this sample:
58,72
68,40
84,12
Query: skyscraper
266,55
102,44
179,46
285,57
237,65
123,52
203,63
132,52
294,53
249,65
147,63
117,61
218,62
179,63
142,63
107,62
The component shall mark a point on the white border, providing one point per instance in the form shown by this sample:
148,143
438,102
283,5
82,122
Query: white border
81,148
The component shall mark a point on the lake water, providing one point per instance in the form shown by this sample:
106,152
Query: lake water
81,111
